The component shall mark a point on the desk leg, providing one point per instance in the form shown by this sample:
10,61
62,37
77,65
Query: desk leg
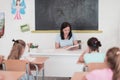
43,73
37,71
27,71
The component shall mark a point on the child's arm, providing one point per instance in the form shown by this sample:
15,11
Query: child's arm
81,59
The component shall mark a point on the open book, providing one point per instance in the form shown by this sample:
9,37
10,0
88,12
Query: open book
72,47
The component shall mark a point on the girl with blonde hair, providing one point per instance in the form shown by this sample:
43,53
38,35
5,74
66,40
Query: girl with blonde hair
16,53
112,72
17,49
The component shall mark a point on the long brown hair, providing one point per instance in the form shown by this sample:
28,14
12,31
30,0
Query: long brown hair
113,60
17,49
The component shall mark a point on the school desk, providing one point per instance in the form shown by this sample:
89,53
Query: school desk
61,62
38,61
11,75
78,75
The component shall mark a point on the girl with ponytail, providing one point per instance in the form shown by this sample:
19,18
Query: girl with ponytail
112,72
113,62
92,54
17,53
17,49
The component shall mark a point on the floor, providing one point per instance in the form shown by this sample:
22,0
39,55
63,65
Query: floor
55,78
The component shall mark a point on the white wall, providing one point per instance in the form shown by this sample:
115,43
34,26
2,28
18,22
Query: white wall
118,35
109,22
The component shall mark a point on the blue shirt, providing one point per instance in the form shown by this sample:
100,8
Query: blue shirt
94,57
65,42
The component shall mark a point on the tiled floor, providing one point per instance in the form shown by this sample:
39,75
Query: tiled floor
55,78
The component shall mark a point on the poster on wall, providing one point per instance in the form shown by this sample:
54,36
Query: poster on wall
18,8
2,23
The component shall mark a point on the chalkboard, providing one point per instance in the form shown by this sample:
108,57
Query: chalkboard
81,14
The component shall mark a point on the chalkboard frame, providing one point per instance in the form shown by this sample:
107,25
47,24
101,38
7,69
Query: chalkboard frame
52,29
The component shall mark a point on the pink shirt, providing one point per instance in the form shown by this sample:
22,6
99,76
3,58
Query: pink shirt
103,74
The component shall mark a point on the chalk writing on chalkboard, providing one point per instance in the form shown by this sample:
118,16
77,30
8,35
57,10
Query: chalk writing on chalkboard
81,14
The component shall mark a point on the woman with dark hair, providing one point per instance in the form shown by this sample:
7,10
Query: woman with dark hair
66,38
92,54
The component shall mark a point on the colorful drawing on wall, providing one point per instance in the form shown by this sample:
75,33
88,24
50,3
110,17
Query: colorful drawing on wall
18,8
2,23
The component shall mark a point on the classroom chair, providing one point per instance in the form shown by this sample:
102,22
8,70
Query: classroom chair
38,65
93,66
37,68
16,65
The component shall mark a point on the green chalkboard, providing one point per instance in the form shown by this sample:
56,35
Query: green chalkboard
81,14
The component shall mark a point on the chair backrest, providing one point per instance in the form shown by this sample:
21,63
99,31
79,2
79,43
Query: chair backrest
14,65
93,66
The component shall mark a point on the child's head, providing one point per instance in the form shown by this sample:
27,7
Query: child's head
113,61
94,44
17,49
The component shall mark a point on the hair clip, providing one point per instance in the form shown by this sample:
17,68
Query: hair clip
13,40
16,41
118,53
95,43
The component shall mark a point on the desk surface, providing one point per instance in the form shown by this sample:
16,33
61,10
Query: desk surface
57,52
11,75
78,75
39,60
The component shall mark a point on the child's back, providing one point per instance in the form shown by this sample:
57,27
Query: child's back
94,57
102,74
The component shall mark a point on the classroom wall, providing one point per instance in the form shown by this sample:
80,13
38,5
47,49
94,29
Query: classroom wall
118,36
109,23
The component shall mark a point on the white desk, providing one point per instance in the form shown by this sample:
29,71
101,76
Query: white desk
61,63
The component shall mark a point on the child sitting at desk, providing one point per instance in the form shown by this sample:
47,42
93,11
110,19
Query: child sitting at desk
112,72
17,51
92,53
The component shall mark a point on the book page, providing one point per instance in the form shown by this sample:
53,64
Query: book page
72,47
